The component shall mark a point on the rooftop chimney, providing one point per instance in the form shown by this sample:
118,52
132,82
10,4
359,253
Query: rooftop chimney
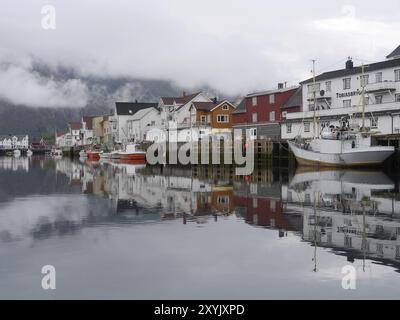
215,100
349,64
184,94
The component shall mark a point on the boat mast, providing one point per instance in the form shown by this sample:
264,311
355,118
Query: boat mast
315,101
363,96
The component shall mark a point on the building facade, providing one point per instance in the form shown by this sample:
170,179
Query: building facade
142,122
339,94
14,142
261,113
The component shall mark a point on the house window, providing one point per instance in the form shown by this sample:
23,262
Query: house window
225,107
288,128
272,116
347,83
311,88
253,133
222,118
374,122
397,75
364,80
367,100
328,86
255,203
307,126
271,99
378,77
397,96
255,117
378,99
254,101
310,107
346,103
203,119
223,200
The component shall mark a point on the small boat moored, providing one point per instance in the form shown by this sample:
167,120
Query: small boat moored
132,153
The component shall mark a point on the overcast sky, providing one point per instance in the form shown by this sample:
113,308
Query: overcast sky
236,46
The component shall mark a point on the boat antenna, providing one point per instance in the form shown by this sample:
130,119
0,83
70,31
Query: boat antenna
315,100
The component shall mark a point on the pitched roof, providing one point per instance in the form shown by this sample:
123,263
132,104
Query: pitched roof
60,134
241,108
169,101
130,108
274,91
356,70
141,113
395,53
89,122
209,106
296,100
75,125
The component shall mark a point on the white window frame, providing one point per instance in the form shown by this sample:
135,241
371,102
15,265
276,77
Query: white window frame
253,133
347,103
397,97
223,118
397,75
254,116
328,86
365,77
288,128
225,107
254,101
307,126
374,122
346,83
379,77
203,119
272,116
379,99
271,99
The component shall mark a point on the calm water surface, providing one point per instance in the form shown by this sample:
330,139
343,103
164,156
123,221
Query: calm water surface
133,232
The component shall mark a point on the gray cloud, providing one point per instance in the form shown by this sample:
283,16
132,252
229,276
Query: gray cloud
236,46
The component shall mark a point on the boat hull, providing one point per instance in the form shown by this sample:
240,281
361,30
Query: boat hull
93,156
133,157
371,156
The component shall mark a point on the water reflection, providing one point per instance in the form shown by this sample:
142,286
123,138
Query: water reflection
351,214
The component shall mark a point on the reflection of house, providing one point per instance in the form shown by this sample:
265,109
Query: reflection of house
344,211
261,205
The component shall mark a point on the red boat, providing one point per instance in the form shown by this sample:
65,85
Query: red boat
132,153
93,155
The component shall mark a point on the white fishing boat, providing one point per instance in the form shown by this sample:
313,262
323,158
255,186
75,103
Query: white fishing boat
132,152
347,146
82,154
17,153
105,155
29,153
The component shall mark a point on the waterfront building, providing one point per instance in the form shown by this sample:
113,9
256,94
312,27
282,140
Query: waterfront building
143,122
101,130
176,115
211,119
339,94
14,142
262,112
87,137
118,122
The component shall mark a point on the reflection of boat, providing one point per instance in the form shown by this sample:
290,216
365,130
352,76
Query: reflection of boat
56,153
115,155
93,155
82,154
132,153
29,153
17,153
105,155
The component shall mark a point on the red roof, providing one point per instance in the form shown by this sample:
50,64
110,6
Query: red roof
75,125
60,134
